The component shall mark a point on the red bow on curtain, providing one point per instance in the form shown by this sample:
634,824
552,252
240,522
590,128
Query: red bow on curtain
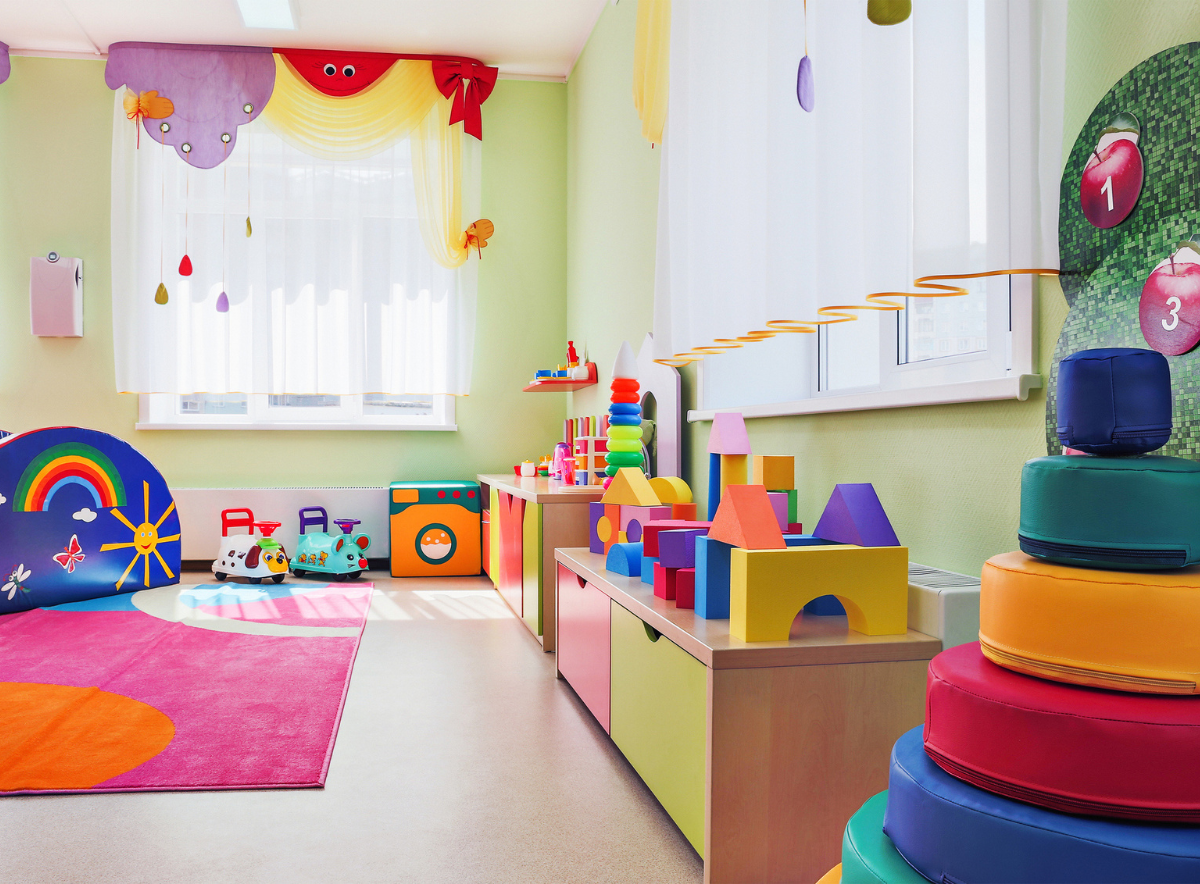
471,83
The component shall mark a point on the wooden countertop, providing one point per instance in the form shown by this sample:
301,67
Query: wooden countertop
814,640
541,489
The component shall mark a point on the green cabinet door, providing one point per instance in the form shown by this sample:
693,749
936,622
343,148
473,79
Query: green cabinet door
531,567
659,700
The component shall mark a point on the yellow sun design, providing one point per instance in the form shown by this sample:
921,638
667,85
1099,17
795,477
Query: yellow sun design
145,538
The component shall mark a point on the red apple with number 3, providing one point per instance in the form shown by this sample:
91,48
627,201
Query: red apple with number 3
1112,178
1170,307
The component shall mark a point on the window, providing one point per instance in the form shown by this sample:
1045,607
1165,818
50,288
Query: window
951,168
311,288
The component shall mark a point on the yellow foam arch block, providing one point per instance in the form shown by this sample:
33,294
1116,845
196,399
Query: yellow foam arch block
671,489
768,587
833,876
1121,630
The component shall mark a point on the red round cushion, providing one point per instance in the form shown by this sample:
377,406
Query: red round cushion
1066,747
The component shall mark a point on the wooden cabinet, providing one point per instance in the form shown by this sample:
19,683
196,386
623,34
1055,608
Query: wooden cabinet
659,707
530,518
583,642
759,751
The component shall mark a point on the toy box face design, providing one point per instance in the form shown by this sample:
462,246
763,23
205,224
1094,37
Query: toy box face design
245,555
435,528
339,553
82,515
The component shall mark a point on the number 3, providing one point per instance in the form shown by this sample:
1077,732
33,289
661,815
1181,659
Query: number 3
1174,313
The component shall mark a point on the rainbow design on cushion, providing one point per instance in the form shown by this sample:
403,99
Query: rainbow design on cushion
70,463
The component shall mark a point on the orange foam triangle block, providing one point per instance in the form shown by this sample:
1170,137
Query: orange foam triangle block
728,435
746,519
630,487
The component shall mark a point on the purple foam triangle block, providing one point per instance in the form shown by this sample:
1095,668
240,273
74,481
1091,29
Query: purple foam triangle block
728,434
855,515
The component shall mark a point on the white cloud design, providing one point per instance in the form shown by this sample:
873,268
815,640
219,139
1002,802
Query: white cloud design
3,499
84,515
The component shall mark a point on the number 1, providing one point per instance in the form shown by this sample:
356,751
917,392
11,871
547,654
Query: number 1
1107,188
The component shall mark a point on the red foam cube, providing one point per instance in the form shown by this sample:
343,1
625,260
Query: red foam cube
685,588
664,582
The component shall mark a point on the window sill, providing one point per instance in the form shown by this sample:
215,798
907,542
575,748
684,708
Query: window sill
1015,387
206,425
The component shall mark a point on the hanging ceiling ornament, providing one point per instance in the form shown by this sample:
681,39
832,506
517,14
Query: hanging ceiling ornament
146,106
804,74
208,87
478,234
5,62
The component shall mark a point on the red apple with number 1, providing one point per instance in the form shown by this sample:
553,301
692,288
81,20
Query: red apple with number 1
1112,178
1170,307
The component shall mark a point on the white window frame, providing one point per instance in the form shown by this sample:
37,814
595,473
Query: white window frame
1007,369
160,411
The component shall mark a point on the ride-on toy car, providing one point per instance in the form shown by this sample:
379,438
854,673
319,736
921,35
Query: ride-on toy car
341,555
244,555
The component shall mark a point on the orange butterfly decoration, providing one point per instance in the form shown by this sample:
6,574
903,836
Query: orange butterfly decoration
478,234
149,105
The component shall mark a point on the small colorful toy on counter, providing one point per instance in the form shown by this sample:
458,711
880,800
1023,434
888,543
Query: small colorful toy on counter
342,555
244,555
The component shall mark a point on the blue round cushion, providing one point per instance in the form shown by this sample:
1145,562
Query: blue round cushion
624,408
626,420
950,831
1115,400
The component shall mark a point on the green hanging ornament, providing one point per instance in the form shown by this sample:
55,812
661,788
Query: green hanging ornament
249,229
160,294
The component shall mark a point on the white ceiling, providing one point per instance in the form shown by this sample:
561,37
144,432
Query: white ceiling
531,38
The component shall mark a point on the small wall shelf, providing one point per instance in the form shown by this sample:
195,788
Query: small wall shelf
564,385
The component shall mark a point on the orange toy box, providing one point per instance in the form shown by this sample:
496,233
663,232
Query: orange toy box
435,528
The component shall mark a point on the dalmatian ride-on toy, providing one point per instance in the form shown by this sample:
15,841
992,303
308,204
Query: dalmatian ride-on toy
341,555
245,555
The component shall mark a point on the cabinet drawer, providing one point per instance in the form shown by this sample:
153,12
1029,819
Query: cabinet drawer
583,641
659,699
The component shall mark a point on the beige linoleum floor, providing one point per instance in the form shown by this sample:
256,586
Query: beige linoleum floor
461,758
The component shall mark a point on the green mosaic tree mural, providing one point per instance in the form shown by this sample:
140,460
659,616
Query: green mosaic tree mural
1103,271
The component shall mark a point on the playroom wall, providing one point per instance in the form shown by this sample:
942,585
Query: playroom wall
948,475
55,148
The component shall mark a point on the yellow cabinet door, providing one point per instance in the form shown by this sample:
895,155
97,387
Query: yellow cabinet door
531,567
658,715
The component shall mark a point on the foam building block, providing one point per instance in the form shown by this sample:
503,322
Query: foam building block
630,487
677,548
826,605
635,518
685,588
671,489
605,530
735,470
792,504
794,528
664,582
775,472
712,578
728,435
651,531
625,559
855,515
648,563
714,484
685,511
779,503
768,588
745,519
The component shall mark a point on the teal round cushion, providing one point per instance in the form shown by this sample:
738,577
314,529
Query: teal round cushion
1122,513
868,856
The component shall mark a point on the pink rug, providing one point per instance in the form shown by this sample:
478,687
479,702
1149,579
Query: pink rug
200,687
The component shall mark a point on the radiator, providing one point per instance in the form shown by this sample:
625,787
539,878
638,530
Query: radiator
200,514
943,604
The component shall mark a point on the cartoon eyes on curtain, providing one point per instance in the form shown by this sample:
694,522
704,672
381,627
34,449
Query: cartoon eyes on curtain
331,70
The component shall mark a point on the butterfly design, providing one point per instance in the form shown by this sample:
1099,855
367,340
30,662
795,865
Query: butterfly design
71,555
478,234
146,105
18,576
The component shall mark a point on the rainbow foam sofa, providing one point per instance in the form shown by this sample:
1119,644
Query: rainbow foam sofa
82,515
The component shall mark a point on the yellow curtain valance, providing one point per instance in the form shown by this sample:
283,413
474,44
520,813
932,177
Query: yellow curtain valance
403,103
651,66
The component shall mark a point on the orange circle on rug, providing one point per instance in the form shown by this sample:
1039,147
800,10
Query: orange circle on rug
60,737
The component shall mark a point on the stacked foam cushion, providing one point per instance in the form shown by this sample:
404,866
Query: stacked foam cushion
1063,746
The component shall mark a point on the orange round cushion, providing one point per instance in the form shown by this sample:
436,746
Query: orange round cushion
1122,630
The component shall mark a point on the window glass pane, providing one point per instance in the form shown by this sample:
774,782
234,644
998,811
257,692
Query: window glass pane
304,401
213,403
397,406
947,326
775,370
851,358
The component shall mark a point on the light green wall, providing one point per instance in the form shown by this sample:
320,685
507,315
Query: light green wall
55,147
612,204
949,475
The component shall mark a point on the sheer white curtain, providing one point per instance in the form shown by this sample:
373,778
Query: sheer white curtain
334,293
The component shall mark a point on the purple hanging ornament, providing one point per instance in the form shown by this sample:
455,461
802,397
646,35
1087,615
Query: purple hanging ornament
804,84
222,303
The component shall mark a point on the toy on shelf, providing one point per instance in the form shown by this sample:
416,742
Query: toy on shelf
342,555
244,555
625,416
564,378
590,464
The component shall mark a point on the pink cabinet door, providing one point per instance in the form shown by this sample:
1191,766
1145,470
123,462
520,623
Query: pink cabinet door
583,641
512,518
